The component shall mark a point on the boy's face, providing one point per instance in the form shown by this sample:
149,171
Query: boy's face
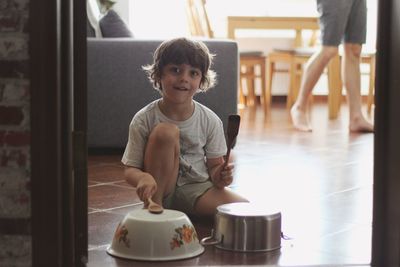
180,82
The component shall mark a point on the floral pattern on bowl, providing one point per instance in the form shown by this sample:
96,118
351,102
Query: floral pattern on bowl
121,234
184,234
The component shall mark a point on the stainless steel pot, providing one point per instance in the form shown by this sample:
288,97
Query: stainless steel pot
245,227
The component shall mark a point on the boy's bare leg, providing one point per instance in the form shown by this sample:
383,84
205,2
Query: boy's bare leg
351,79
312,72
208,203
161,158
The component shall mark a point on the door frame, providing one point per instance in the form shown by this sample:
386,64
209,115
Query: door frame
58,128
57,51
386,197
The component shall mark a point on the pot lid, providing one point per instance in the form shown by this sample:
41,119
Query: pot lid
246,209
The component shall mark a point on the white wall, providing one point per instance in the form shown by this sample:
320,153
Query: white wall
123,8
159,19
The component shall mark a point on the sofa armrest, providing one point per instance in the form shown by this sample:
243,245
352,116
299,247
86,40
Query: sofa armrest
118,87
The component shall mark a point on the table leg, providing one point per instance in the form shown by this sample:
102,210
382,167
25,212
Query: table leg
335,87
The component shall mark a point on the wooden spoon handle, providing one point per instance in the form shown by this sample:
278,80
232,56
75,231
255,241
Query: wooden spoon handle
228,153
232,131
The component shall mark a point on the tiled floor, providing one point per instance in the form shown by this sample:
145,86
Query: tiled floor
320,181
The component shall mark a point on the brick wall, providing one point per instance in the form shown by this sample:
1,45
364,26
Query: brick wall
15,241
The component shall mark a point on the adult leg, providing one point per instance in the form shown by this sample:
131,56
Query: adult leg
210,200
312,72
351,79
161,158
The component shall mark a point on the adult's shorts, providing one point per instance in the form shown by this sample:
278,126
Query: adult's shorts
342,21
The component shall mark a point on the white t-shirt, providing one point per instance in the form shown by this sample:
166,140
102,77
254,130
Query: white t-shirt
201,136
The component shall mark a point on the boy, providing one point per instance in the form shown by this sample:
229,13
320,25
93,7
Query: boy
176,146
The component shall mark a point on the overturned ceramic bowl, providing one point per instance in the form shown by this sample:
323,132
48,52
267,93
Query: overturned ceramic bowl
142,235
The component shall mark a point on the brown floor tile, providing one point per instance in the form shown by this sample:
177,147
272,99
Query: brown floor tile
94,160
111,196
106,173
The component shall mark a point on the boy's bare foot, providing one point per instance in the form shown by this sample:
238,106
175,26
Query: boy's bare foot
360,125
299,119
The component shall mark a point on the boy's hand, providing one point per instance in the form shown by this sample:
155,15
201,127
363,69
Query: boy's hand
146,187
223,176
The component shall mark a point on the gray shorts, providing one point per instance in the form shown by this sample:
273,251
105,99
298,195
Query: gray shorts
342,20
184,197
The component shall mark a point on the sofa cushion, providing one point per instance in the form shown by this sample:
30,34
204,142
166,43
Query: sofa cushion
112,25
89,29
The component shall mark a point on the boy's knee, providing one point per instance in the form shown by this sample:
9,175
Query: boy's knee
165,132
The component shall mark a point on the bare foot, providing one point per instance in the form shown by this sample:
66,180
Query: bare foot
360,125
299,119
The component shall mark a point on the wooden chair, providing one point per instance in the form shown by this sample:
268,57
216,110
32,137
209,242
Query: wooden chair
249,62
199,24
295,58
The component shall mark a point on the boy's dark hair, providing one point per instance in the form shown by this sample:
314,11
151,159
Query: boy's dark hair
182,51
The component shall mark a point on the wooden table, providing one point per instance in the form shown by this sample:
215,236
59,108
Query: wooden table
272,23
298,24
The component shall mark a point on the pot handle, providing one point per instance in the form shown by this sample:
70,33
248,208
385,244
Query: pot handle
285,237
209,240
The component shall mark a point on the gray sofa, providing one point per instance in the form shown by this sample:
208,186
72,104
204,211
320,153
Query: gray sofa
118,87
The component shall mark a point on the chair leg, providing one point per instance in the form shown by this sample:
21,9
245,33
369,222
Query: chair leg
242,99
370,100
250,98
265,93
254,79
268,81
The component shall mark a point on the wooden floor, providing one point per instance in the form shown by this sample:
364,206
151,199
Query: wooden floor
320,181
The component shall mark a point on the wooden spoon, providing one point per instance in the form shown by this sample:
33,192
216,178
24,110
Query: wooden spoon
233,130
154,207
